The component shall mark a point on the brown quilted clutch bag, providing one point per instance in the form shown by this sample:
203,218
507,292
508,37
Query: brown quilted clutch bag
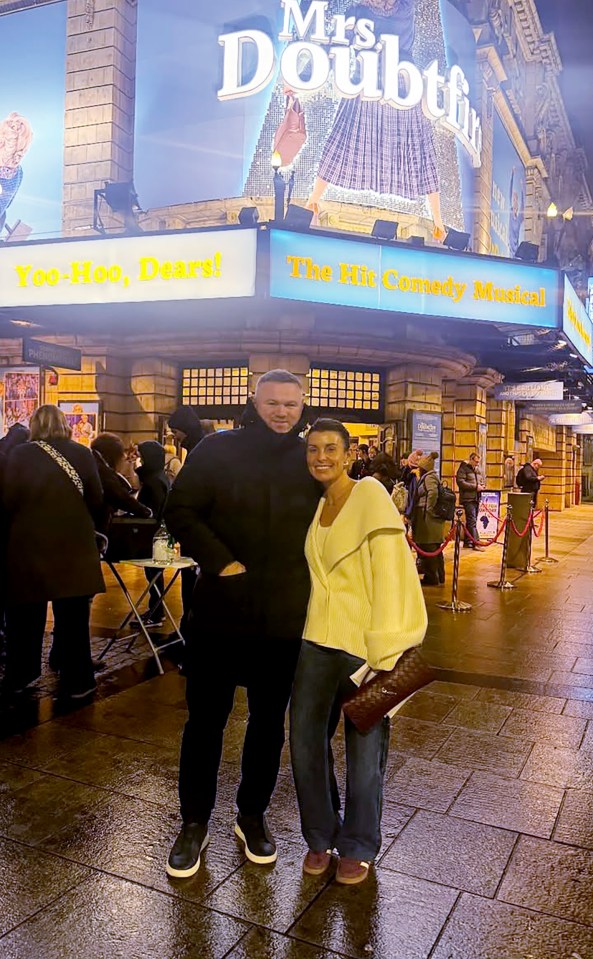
373,700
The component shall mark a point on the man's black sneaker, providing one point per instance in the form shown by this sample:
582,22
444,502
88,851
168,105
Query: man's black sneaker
259,844
184,858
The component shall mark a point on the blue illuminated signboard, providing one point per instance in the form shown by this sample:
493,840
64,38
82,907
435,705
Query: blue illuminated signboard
399,279
576,323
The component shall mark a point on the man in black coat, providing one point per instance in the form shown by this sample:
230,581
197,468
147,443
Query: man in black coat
529,479
153,494
470,480
241,507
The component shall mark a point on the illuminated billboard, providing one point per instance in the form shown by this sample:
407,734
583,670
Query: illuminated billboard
507,224
32,99
370,104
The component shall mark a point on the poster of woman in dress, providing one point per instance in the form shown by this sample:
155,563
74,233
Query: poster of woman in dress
83,418
367,152
21,397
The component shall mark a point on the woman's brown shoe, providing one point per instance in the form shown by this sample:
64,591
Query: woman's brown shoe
316,863
351,871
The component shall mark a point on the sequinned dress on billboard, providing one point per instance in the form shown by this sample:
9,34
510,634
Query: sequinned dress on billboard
15,140
374,146
406,163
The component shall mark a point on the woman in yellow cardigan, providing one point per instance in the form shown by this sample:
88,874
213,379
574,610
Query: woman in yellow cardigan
366,607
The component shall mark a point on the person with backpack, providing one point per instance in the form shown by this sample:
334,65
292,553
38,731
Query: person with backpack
428,528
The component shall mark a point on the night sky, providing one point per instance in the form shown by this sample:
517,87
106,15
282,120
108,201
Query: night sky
572,23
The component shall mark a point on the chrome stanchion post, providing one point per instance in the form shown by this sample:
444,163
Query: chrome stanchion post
530,568
547,560
503,582
455,605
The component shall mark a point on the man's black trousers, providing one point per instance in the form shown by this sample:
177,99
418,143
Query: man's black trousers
214,670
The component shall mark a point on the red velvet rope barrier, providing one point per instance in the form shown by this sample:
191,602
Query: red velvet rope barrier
527,527
486,542
538,532
437,552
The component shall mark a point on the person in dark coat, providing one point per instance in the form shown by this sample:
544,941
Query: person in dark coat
241,507
153,494
109,452
16,435
186,427
529,479
52,491
470,480
428,530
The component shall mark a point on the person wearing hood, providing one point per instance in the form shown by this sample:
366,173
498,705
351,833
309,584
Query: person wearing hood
241,507
186,427
427,529
153,494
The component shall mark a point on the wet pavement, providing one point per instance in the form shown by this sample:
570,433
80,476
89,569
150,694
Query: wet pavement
488,816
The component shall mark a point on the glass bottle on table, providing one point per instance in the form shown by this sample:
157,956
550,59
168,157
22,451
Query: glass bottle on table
160,545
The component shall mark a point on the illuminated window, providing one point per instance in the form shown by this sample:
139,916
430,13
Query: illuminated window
218,386
345,389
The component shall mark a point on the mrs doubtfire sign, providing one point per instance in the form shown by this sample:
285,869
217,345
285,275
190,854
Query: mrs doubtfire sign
365,59
385,90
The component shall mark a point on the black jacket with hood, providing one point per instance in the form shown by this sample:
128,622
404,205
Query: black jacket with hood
247,495
186,420
155,485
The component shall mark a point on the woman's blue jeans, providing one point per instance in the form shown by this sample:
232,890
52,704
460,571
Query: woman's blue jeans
321,684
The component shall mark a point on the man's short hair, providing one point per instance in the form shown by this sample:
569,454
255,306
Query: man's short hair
363,447
279,376
474,456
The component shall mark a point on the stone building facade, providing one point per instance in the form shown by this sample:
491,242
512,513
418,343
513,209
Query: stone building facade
138,382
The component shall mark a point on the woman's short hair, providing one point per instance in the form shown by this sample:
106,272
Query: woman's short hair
111,447
327,425
49,423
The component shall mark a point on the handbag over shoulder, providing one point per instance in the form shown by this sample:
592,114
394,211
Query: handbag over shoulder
291,135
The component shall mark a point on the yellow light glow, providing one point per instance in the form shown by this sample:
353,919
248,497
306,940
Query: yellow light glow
552,210
568,215
276,160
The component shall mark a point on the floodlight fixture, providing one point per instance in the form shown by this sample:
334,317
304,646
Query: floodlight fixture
528,252
456,240
385,229
248,216
298,217
121,198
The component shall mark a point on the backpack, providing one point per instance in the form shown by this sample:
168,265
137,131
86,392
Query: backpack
444,508
399,497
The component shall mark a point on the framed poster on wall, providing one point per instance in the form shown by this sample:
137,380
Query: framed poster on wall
425,433
84,419
20,388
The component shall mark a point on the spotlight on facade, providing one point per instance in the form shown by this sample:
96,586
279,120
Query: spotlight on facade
456,240
385,229
298,217
121,198
416,240
248,215
528,252
552,211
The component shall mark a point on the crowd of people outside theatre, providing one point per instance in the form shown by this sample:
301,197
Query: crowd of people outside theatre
305,579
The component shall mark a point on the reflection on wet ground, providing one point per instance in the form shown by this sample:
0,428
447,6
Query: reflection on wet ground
487,827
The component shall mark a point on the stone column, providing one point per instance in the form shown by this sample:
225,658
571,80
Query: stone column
464,404
500,417
557,482
483,177
100,86
412,386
